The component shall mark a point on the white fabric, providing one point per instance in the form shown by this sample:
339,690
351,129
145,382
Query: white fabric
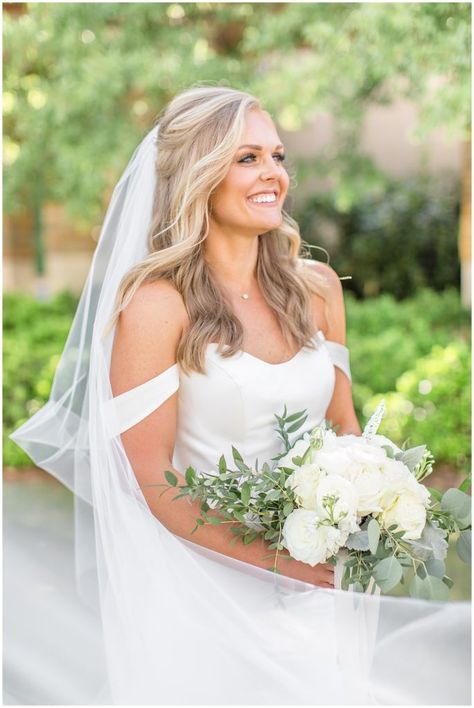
237,409
187,626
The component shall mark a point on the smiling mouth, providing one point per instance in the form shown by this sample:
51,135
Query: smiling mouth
264,203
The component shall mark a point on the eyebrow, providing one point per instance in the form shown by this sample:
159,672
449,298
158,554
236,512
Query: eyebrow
258,147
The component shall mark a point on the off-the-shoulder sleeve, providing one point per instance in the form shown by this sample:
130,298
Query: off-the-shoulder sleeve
129,408
339,355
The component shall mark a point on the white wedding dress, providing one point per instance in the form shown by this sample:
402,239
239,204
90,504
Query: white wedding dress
247,636
184,625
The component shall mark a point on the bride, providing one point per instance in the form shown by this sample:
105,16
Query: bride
199,321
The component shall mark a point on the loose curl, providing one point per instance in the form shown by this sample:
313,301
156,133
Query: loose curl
199,134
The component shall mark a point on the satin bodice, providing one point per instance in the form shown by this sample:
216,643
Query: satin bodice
235,401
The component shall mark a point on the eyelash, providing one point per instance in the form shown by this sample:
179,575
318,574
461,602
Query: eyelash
281,156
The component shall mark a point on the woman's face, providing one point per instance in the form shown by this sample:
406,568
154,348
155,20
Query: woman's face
256,171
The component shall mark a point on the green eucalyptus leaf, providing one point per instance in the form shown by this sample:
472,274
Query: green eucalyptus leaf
431,544
412,457
435,493
436,568
387,573
236,455
249,537
245,493
190,476
373,533
447,581
295,416
458,504
358,541
389,451
296,425
222,465
428,588
287,508
463,546
240,516
171,478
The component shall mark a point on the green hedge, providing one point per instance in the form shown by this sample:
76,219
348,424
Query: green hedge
34,336
396,240
414,352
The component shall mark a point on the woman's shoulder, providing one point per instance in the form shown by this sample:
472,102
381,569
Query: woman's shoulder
158,303
155,317
147,336
328,275
328,303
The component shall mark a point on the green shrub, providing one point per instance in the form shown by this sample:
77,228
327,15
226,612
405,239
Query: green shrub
34,336
386,337
431,404
394,347
395,241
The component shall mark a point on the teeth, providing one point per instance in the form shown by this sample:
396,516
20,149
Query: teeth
266,198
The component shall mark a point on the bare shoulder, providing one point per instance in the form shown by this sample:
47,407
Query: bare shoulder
156,303
147,335
328,274
332,306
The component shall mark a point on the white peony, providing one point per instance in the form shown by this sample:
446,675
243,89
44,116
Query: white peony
369,484
305,481
348,456
398,481
344,511
408,513
309,541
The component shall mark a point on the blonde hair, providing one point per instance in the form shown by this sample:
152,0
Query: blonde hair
199,134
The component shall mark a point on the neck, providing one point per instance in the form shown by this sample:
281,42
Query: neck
233,262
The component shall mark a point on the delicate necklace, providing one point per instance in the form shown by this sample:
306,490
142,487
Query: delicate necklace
245,296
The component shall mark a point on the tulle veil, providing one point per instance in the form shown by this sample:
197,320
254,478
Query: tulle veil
184,625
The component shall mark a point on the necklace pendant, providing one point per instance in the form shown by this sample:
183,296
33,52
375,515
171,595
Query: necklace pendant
244,296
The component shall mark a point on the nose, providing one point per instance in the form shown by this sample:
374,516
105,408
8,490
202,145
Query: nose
270,170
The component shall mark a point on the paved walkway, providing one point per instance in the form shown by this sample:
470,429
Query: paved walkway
52,644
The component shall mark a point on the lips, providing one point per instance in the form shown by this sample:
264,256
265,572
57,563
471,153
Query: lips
263,192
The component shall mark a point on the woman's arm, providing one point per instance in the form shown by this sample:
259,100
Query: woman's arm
146,340
341,408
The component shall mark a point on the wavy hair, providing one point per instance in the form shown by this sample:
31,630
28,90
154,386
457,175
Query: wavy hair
199,134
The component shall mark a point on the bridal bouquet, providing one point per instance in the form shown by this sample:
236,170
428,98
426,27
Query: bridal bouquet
328,497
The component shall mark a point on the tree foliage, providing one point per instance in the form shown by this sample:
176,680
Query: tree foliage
84,81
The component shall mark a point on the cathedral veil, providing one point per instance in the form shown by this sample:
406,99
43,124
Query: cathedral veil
184,625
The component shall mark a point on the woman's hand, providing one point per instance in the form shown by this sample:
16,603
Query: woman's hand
321,575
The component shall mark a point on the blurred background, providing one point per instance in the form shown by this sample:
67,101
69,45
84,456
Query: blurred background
372,102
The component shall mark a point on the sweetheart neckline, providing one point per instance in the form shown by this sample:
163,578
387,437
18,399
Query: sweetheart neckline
317,335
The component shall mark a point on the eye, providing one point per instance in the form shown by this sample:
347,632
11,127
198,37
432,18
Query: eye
279,156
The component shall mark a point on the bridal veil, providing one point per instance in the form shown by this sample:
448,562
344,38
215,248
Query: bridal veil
183,625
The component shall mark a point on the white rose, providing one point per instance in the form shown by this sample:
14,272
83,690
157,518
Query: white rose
349,456
408,513
305,481
344,511
398,480
370,487
309,541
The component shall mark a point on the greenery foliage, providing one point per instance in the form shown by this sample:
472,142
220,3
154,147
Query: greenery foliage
84,80
34,335
396,239
415,353
261,502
